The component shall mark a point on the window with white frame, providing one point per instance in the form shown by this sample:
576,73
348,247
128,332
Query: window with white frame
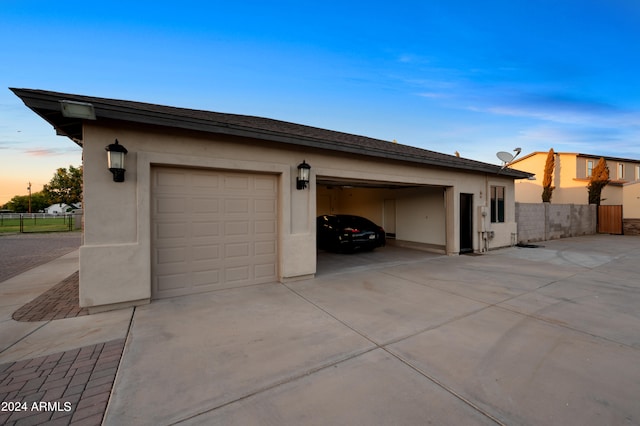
497,204
620,171
589,168
637,172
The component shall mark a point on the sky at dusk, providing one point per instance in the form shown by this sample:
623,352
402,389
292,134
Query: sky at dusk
455,75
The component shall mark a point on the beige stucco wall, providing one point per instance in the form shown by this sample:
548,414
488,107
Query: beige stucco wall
529,191
631,201
505,233
115,257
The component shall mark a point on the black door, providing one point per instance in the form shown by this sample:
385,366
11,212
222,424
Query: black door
466,223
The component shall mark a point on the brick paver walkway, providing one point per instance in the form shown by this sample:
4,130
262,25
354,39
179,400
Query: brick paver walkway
66,388
61,301
70,387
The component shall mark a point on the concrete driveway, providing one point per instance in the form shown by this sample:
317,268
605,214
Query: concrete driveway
538,336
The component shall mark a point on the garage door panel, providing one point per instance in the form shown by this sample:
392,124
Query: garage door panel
202,179
236,182
167,264
236,228
169,178
165,231
264,206
264,248
263,273
171,255
212,230
204,265
207,252
205,229
208,278
236,206
237,250
205,205
265,184
170,282
171,205
265,227
237,274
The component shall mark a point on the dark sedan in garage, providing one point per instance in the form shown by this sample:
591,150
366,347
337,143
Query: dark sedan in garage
348,233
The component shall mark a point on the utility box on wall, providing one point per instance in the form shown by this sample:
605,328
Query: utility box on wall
482,218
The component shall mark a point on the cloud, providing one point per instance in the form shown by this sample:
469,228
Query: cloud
9,144
412,58
501,92
558,107
44,152
435,95
529,111
617,142
540,117
571,134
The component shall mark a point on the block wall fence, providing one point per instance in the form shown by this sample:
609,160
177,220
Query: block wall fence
546,221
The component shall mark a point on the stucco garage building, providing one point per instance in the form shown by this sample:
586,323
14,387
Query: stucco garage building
210,200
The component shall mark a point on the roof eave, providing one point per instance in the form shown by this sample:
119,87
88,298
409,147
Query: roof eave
50,111
47,106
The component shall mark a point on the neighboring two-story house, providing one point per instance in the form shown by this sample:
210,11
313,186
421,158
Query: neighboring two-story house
571,177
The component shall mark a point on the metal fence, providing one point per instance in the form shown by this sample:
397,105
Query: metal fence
38,222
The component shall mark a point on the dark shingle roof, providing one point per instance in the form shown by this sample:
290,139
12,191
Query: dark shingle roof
47,105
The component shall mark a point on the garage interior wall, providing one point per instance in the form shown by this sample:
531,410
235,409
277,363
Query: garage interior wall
419,216
366,202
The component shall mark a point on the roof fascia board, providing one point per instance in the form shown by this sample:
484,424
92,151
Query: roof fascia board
618,159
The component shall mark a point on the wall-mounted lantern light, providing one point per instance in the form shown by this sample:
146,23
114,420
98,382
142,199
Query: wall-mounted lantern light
115,160
303,175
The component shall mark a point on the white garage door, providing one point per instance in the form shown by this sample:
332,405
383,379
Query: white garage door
211,230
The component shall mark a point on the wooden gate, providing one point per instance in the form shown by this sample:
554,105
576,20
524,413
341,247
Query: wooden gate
610,220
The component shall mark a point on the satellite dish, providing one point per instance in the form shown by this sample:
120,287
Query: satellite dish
505,157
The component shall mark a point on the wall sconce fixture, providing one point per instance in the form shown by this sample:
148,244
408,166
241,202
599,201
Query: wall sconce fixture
303,175
115,160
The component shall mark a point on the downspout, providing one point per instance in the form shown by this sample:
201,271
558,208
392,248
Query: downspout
482,213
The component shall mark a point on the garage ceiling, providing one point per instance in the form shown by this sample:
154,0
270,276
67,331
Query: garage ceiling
358,183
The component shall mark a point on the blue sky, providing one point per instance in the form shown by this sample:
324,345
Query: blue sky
455,75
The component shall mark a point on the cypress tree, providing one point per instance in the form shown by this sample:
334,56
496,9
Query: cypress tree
547,189
598,180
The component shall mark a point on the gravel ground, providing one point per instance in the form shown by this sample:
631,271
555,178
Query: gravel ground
21,252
